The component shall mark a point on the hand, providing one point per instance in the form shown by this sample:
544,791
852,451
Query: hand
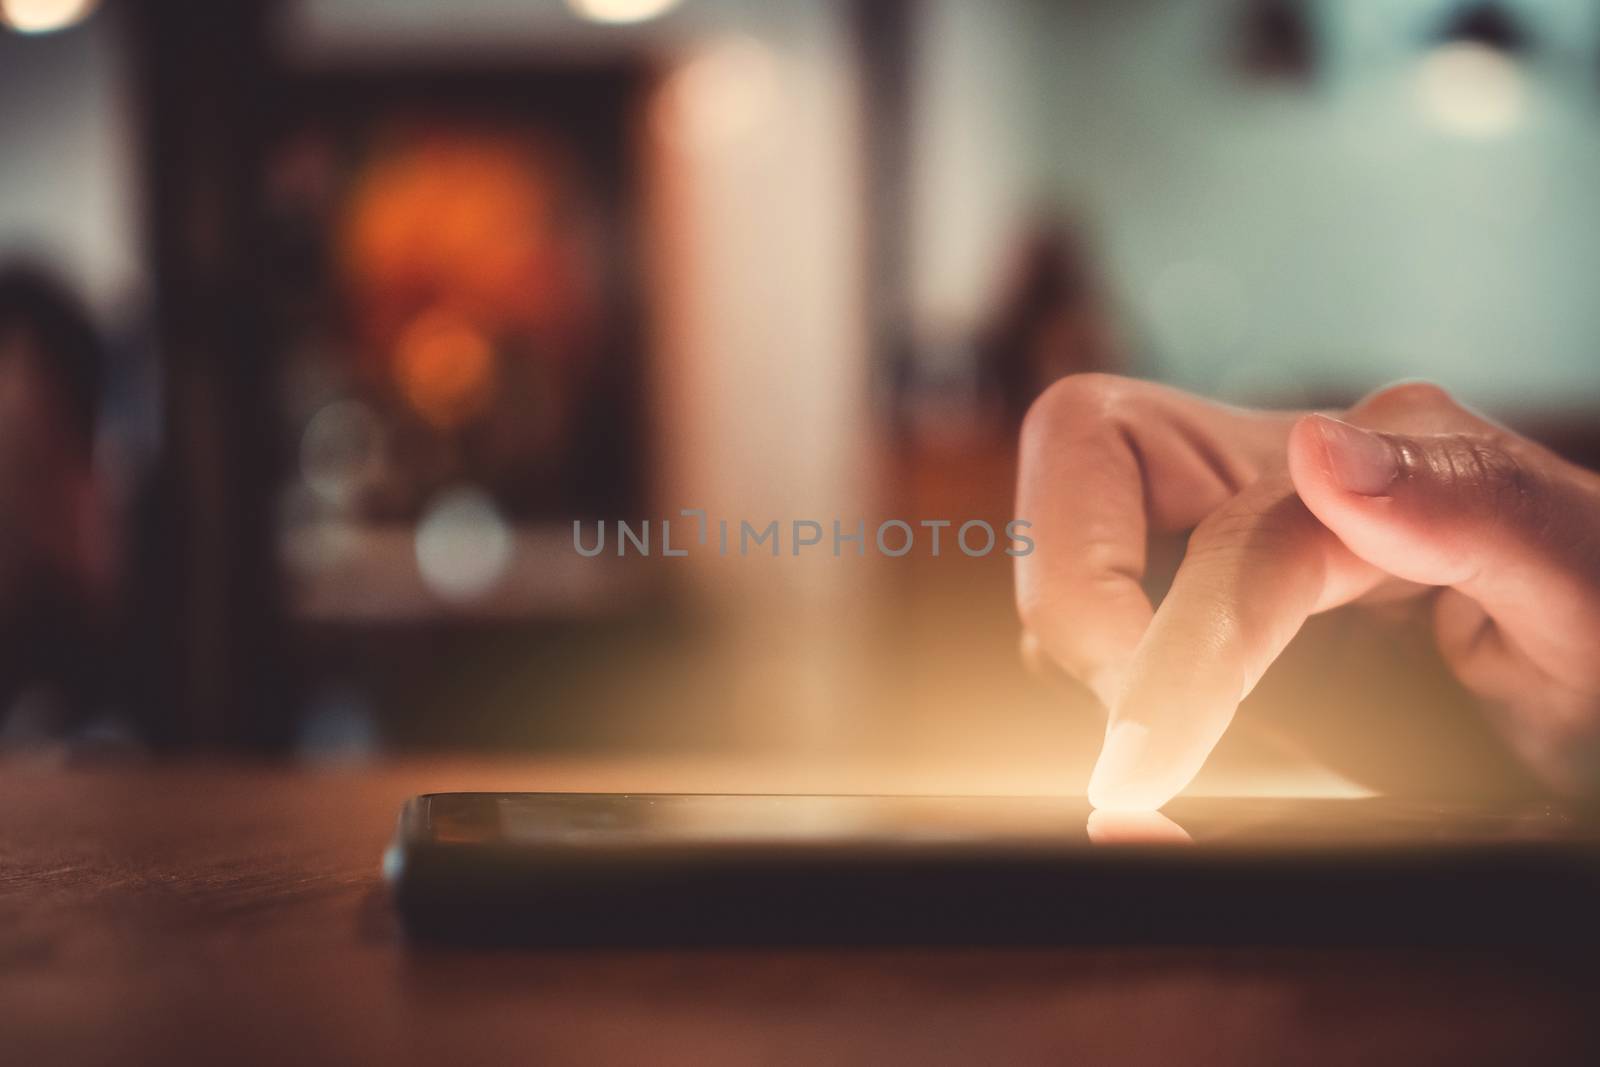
1406,494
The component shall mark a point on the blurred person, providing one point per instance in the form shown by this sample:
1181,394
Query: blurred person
1406,496
1054,319
55,558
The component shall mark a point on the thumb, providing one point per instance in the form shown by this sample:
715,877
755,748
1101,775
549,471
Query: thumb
1462,510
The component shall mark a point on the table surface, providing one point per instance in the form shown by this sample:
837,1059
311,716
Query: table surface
230,912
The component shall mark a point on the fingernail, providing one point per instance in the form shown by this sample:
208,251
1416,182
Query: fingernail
1362,462
1117,782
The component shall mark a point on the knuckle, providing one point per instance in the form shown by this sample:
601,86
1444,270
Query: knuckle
1039,603
1032,607
1250,522
1482,471
1076,399
1407,397
1224,527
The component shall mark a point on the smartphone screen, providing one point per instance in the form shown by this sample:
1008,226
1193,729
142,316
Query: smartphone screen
641,821
686,868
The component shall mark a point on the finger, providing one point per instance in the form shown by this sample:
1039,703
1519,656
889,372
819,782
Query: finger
1254,572
1547,725
1105,461
1081,485
1467,510
1476,650
1035,659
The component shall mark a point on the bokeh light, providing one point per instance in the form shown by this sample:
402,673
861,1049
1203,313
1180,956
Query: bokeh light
1471,90
444,367
464,219
341,449
620,11
44,16
464,546
724,92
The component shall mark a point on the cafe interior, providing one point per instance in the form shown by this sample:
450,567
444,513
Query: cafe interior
378,310
391,294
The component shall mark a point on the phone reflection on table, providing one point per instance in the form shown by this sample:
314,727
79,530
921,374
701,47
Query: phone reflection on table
1108,827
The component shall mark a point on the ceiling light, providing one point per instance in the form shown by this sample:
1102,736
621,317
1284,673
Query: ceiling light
44,16
620,11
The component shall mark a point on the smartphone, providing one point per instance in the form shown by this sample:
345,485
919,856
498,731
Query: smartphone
686,869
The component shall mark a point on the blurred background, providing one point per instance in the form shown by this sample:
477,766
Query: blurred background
322,320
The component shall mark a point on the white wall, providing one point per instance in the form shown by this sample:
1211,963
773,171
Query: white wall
1330,237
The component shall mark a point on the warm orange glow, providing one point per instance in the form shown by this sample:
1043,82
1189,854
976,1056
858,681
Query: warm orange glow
467,220
444,367
1135,828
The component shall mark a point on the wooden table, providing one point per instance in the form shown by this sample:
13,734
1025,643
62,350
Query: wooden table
233,913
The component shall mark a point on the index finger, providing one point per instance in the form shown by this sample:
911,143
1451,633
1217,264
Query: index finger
1254,572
